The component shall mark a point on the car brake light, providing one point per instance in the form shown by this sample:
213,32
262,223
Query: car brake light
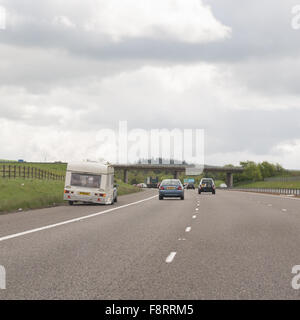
179,188
162,188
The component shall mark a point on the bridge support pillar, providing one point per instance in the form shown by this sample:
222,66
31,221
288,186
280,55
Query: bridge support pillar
125,176
176,175
229,179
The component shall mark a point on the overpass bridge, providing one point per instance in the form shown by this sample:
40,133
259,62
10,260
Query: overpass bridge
177,169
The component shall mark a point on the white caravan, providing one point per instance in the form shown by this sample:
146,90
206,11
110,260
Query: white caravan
90,182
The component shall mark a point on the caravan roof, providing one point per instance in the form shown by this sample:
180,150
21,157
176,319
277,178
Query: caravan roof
90,167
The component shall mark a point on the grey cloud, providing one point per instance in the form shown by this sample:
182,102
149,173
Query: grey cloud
62,68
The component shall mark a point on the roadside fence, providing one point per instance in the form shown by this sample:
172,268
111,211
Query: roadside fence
27,172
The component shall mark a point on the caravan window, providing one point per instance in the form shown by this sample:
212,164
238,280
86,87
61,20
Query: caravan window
85,180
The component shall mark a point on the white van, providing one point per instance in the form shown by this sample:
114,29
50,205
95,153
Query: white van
90,182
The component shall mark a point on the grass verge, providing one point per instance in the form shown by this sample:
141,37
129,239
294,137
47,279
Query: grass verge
126,188
271,184
31,194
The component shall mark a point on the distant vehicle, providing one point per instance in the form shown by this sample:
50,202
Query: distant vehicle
223,185
190,186
207,185
152,182
142,185
171,188
21,160
90,182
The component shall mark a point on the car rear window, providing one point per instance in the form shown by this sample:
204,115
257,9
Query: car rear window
207,181
171,182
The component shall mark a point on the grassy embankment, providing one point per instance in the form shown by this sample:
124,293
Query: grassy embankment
32,193
218,182
270,184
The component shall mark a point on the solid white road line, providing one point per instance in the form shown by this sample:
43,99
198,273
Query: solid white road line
188,229
16,235
170,257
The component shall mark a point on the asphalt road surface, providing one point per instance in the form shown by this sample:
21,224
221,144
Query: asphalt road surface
231,245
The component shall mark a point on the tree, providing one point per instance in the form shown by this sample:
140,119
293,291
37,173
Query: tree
251,171
267,169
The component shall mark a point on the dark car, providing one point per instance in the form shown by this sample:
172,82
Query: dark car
190,186
171,188
207,185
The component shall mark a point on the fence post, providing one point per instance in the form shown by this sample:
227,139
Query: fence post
15,171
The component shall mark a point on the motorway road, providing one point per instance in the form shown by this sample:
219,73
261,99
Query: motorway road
235,246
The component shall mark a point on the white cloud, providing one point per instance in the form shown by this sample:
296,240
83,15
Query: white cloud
186,21
63,21
168,67
185,96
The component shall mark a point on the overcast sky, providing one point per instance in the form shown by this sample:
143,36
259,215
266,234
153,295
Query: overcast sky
70,68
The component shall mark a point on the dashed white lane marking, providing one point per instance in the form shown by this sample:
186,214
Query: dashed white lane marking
16,235
188,229
194,217
197,209
284,210
181,239
269,205
170,257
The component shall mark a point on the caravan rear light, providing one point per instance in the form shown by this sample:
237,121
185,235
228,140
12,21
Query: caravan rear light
67,191
103,195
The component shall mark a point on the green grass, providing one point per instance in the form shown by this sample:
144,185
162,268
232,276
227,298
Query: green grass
270,184
126,188
218,182
31,194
